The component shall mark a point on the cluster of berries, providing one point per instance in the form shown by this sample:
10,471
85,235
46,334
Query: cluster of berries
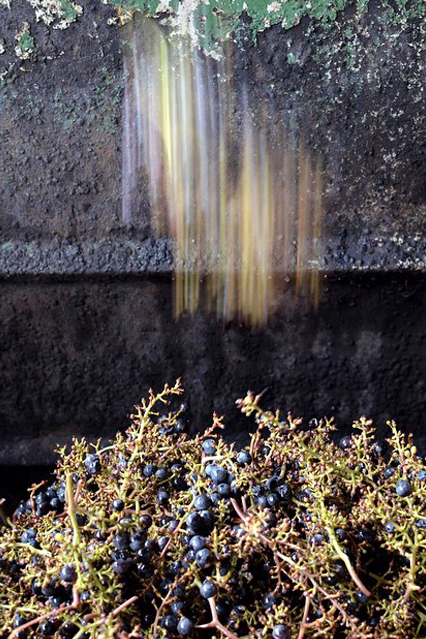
160,535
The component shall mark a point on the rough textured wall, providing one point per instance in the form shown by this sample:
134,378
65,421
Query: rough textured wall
353,90
76,353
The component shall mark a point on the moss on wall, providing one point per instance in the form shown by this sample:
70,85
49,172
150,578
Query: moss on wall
205,21
210,20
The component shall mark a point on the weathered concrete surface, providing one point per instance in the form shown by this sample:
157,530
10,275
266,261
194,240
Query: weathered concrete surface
353,91
76,355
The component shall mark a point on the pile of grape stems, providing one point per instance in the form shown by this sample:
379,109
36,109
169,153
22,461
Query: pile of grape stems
160,534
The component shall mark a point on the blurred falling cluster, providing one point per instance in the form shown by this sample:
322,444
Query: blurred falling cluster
228,179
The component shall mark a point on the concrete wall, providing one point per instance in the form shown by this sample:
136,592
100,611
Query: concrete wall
85,316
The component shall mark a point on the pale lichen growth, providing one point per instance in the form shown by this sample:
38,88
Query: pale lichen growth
56,13
274,6
183,22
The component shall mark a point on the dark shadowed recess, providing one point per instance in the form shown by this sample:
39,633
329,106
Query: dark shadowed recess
77,355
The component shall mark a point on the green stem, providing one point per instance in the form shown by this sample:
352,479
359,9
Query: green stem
343,556
36,551
72,509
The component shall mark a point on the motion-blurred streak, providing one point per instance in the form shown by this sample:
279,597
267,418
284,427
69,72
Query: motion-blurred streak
240,198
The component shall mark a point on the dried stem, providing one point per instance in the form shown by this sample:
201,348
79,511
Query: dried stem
124,605
304,618
411,586
303,572
215,623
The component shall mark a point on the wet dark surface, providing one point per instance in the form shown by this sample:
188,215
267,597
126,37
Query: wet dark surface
77,355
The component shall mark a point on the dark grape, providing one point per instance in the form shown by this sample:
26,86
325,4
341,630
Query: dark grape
208,589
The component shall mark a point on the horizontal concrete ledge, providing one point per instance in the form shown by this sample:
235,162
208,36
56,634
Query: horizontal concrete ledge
368,252
20,451
104,257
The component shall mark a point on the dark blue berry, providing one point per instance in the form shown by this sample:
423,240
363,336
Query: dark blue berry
55,504
185,626
218,475
208,589
163,541
137,540
55,601
170,622
380,447
93,464
49,589
144,570
48,627
345,442
284,491
29,537
173,524
175,568
177,606
224,490
388,472
215,498
206,516
161,474
281,632
272,483
202,502
121,566
209,447
262,501
197,542
145,521
180,426
149,470
203,557
68,574
121,541
197,524
243,458
18,620
403,488
272,499
222,609
162,498
68,630
389,527
269,601
150,545
366,534
118,505
361,597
